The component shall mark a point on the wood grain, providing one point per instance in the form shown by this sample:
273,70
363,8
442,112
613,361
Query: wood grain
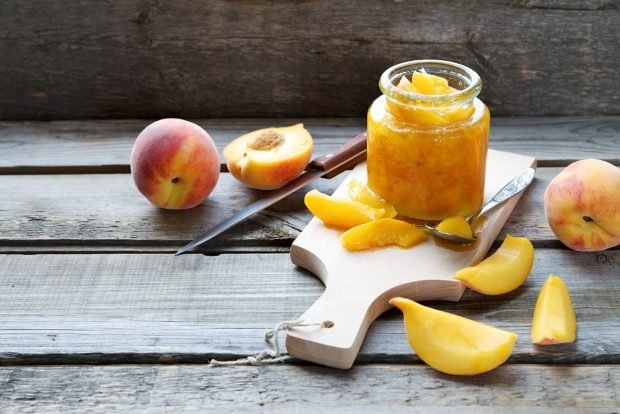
360,284
104,146
284,389
150,308
191,58
107,210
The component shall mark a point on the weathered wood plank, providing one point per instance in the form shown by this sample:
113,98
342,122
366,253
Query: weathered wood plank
159,308
142,59
107,210
104,146
363,389
63,210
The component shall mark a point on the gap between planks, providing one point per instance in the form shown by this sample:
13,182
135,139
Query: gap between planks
124,169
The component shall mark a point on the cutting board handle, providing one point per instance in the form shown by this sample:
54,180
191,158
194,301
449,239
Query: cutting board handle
345,318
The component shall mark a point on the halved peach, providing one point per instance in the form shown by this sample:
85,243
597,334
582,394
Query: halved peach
269,158
382,232
339,212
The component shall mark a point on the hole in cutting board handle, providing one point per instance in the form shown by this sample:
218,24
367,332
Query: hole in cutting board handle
328,324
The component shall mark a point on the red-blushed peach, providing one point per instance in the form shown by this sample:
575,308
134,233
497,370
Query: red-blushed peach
175,164
582,205
269,158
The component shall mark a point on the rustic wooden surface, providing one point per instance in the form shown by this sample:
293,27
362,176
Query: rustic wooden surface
372,388
136,58
43,212
151,307
87,277
104,146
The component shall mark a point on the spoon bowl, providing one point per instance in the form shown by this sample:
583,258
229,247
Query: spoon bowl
450,237
512,188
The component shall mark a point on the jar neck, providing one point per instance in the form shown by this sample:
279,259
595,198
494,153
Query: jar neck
466,82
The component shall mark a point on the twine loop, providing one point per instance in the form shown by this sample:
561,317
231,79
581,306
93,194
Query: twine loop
269,356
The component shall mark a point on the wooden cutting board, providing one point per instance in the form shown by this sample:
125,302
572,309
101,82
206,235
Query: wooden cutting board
360,284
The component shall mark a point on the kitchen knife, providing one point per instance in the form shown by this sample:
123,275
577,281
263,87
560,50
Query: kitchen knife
330,165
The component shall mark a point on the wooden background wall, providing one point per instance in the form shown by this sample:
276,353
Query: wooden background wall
72,59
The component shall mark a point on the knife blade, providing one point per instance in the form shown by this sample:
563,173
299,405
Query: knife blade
347,156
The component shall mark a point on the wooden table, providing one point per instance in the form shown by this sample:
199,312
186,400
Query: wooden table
96,313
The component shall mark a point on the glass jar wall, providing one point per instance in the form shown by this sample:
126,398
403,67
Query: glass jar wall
427,140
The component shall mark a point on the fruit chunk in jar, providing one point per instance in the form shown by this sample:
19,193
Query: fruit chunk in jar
428,161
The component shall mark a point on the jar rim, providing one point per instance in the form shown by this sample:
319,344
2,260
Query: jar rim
462,72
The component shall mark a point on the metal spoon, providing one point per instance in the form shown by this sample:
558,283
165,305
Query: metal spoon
512,188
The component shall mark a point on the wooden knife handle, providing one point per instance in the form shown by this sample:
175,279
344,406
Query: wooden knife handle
345,157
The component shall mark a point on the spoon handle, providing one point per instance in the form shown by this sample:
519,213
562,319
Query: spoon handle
515,186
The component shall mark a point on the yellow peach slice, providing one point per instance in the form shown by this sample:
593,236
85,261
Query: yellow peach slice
269,158
554,319
458,113
405,85
358,191
503,271
453,344
427,84
456,225
382,232
340,212
415,114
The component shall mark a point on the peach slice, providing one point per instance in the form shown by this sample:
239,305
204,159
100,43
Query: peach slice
340,212
453,344
358,191
406,85
456,225
458,113
503,271
427,84
554,319
382,232
269,158
415,114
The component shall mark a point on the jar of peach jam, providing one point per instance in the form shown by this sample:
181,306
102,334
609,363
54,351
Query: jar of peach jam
427,140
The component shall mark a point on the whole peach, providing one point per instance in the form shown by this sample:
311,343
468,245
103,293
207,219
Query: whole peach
582,205
175,164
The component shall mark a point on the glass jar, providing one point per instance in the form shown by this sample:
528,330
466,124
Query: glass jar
427,153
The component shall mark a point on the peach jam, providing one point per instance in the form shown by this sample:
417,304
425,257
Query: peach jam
427,140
